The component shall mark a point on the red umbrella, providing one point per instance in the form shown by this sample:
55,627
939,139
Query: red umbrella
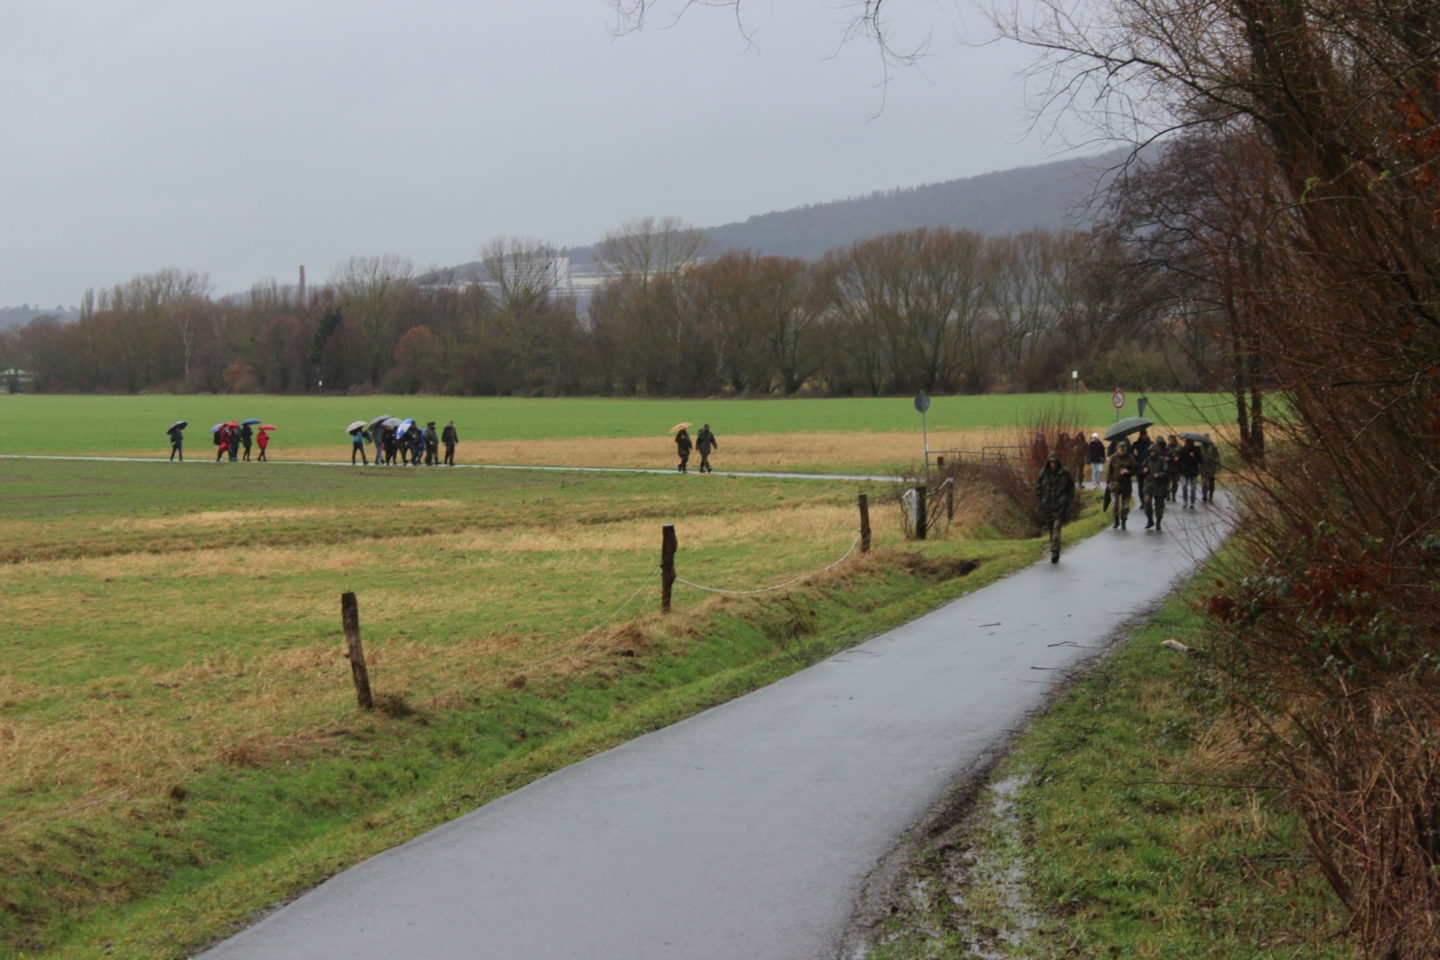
267,426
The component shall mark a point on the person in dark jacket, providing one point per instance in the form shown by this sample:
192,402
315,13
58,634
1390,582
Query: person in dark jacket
432,445
391,445
1095,454
246,438
1054,489
416,442
1156,473
449,437
1189,461
682,448
705,442
177,442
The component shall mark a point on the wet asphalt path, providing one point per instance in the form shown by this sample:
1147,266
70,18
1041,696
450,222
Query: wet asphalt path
746,831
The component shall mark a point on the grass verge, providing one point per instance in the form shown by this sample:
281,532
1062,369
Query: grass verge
1122,824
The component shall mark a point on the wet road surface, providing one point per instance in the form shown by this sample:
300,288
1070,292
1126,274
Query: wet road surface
746,831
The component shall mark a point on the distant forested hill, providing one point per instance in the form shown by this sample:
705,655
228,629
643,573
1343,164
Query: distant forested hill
1051,196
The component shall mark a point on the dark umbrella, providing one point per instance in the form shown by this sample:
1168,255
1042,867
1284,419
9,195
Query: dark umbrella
375,420
1127,426
182,424
1197,437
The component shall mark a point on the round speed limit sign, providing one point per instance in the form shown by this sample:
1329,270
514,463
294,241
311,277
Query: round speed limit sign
1118,399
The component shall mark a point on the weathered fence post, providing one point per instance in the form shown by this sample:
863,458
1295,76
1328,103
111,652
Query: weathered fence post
864,523
667,566
940,464
920,519
950,500
350,615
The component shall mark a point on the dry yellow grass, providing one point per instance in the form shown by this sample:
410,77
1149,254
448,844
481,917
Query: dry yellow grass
742,452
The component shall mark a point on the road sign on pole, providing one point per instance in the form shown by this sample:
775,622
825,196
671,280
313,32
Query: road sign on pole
922,403
1117,399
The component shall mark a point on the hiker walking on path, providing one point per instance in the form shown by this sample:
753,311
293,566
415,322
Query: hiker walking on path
1209,467
1189,463
1054,489
262,440
432,445
246,438
1096,457
449,437
705,442
176,433
682,448
358,439
1157,486
1120,475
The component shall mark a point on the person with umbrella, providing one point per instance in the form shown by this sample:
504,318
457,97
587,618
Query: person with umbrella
247,436
1054,490
262,438
359,436
449,437
1120,473
176,433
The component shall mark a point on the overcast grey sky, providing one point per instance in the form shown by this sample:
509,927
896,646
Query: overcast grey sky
242,138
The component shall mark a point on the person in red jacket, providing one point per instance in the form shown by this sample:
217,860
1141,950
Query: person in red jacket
262,440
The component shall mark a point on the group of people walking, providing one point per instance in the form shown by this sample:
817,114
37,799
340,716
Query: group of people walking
233,439
403,442
1163,470
703,444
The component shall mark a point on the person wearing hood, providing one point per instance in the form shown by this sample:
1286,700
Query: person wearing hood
1095,455
682,448
1054,490
177,442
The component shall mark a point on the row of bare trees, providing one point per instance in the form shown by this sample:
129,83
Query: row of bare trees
930,309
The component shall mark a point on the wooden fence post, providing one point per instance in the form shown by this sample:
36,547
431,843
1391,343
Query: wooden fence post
950,500
350,615
864,523
667,566
920,519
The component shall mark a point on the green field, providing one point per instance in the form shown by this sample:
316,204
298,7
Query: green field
135,426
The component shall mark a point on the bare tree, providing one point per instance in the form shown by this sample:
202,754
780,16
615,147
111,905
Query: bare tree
373,292
647,248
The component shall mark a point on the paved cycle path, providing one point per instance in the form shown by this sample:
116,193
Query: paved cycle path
746,831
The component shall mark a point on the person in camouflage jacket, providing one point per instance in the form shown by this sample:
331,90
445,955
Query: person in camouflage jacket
1120,473
1156,473
1054,489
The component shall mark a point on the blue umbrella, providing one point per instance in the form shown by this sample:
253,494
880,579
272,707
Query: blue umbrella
251,420
217,426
